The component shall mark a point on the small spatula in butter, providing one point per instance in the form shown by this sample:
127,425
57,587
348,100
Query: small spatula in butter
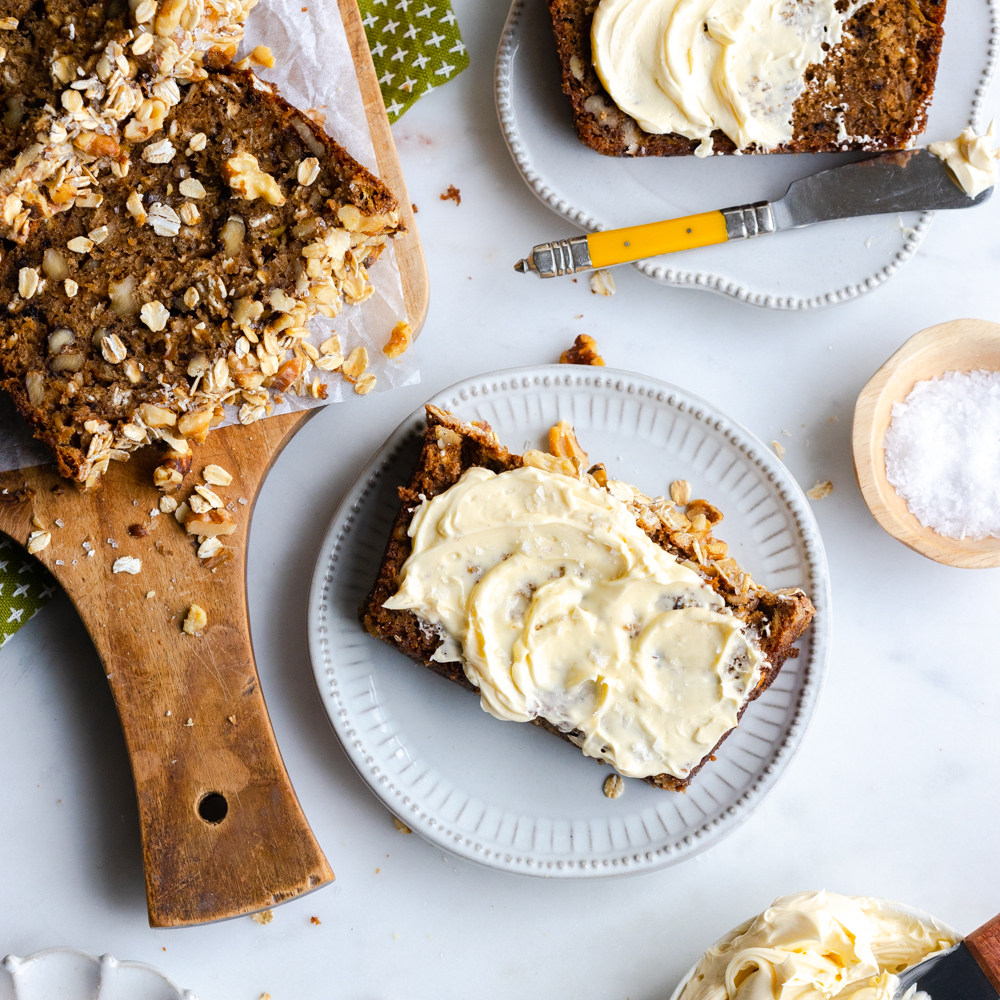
911,181
969,971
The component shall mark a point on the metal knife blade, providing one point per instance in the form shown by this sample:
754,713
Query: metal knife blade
952,975
909,181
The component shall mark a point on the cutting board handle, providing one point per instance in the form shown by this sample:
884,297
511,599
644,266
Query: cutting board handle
984,944
222,831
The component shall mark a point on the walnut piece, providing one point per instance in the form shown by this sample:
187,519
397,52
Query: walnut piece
399,340
583,352
196,620
243,174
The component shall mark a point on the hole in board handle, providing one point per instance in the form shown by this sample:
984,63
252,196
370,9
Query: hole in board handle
213,808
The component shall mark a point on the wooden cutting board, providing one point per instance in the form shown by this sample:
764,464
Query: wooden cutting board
222,830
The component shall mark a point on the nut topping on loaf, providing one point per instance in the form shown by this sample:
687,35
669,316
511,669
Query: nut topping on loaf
191,281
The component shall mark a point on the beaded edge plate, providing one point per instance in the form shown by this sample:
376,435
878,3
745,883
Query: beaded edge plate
510,796
799,269
71,973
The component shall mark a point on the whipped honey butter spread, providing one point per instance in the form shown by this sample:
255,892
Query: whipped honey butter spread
973,159
816,946
692,66
560,606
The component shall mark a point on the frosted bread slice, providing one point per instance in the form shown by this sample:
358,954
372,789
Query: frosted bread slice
452,447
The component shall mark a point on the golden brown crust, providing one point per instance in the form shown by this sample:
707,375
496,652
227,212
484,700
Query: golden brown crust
879,82
450,447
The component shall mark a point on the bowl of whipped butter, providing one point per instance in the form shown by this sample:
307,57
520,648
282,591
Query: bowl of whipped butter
817,946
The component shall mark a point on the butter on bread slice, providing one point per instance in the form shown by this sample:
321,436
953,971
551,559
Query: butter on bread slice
871,92
452,446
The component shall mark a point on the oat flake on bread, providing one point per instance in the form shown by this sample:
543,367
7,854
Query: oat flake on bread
942,453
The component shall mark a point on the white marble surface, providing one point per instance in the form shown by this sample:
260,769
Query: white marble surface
893,793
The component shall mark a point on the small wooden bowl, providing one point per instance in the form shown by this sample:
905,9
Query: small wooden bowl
961,345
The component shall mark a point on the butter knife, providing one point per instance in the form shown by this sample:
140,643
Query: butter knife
910,181
969,971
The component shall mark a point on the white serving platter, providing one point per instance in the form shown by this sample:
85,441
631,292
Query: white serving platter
71,974
511,796
805,268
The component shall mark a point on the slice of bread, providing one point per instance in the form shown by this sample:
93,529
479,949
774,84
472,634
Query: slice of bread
190,284
871,92
451,447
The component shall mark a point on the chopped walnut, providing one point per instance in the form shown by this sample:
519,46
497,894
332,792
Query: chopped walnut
215,475
452,194
263,56
563,444
195,621
399,340
583,352
243,174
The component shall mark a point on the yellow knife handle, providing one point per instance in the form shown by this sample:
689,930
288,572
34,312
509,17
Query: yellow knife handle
619,246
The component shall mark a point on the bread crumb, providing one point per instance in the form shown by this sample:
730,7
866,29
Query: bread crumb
452,194
264,917
190,722
583,352
614,786
315,920
150,594
823,488
602,282
231,720
779,448
400,825
415,209
196,620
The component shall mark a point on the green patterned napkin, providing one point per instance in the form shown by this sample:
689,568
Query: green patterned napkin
416,47
25,585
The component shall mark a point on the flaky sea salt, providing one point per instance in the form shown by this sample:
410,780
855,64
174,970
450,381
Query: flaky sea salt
942,453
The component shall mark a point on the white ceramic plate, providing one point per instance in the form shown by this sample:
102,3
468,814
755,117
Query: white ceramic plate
71,974
804,268
884,904
511,796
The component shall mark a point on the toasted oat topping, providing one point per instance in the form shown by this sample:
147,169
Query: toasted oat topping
822,489
38,540
680,492
127,564
215,475
614,786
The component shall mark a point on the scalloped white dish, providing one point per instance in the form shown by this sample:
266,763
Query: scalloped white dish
799,269
71,974
511,796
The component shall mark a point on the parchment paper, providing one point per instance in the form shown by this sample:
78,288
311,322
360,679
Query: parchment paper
314,70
